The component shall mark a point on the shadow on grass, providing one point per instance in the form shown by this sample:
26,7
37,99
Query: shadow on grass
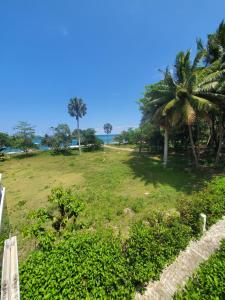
63,153
25,155
179,173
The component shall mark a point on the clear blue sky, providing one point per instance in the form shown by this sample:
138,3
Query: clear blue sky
104,51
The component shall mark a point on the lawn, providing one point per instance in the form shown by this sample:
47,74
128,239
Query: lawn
118,187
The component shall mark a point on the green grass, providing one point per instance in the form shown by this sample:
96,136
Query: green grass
118,187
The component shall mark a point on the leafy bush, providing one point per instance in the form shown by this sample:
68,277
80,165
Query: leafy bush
97,145
209,281
151,246
86,266
62,217
210,201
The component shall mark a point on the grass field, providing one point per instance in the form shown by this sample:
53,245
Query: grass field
117,187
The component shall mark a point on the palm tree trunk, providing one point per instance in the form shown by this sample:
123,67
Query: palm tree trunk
165,156
221,134
78,134
193,146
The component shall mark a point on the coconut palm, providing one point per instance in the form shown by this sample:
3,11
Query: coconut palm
107,128
184,95
152,112
77,109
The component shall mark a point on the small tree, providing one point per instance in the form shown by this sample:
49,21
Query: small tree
77,109
60,139
23,138
5,140
89,140
62,217
107,128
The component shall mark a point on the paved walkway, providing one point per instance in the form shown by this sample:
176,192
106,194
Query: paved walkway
118,148
176,275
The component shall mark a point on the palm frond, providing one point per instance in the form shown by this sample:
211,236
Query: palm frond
217,99
158,102
189,114
202,104
169,106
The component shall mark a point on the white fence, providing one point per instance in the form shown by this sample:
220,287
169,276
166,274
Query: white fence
2,199
10,273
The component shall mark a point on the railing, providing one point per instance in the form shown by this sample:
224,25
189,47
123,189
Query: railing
10,273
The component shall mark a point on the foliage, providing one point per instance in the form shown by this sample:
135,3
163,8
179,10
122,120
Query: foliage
209,280
107,128
77,108
60,138
62,217
209,201
69,207
86,266
192,94
5,140
23,138
90,141
147,135
154,244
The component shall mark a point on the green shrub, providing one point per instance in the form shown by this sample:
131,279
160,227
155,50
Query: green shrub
210,201
86,266
62,217
209,281
151,246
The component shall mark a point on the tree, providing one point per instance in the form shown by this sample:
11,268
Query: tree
5,140
77,109
153,113
215,59
107,128
89,140
23,138
184,95
60,138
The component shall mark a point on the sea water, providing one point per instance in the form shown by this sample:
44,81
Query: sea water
106,138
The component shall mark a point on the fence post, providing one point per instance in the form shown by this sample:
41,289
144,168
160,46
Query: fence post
10,273
2,197
203,217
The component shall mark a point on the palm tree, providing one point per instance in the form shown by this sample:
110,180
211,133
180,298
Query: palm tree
184,95
107,128
77,108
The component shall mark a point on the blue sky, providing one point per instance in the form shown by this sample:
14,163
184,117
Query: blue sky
104,51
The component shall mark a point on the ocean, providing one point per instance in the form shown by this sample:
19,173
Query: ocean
107,139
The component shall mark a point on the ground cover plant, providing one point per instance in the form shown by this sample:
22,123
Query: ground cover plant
86,266
209,280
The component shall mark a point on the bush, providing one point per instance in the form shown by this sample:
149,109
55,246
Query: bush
152,246
209,281
86,266
210,201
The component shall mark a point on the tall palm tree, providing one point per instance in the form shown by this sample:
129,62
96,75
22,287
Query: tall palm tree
152,112
77,108
107,128
184,95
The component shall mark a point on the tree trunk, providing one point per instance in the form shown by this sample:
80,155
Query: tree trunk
221,134
193,146
165,156
78,134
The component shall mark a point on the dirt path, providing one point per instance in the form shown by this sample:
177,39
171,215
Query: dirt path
118,148
176,275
